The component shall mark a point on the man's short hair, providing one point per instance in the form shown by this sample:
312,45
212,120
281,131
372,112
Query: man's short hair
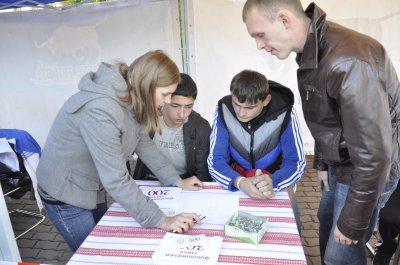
249,86
186,88
269,8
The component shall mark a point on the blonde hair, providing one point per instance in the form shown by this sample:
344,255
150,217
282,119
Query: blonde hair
149,71
125,98
271,7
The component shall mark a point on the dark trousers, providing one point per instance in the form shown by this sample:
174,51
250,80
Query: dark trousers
389,223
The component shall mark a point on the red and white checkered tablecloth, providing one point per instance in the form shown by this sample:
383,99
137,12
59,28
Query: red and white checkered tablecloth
119,239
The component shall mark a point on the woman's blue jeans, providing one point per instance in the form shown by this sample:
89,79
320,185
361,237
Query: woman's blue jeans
74,223
330,207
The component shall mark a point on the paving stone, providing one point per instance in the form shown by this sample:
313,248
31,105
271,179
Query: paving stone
58,237
54,245
32,260
63,245
314,261
316,194
300,194
312,251
309,262
25,236
305,218
28,253
31,207
26,243
312,242
45,236
302,205
66,256
309,199
17,218
306,233
53,228
310,225
48,254
313,205
43,229
308,212
306,188
21,227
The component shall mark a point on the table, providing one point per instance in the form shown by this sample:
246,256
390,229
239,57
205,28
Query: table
119,239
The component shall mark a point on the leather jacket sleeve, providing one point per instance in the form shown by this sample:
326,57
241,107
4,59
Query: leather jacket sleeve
364,110
318,164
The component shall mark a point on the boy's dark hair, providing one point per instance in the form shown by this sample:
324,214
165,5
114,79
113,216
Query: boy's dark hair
186,88
249,86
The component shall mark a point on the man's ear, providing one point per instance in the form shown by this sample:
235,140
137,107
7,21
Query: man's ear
284,17
267,100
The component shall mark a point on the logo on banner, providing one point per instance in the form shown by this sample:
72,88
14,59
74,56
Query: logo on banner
73,52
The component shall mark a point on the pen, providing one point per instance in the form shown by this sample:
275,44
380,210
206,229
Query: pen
194,221
201,218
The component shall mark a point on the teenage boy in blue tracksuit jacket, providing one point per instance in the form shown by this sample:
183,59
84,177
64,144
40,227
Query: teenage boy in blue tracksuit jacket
255,142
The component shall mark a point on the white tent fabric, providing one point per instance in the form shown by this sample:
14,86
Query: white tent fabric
44,53
221,46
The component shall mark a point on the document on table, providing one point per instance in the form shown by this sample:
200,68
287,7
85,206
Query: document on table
188,249
221,207
173,201
163,196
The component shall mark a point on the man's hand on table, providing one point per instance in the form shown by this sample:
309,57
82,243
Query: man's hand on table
257,187
192,183
180,223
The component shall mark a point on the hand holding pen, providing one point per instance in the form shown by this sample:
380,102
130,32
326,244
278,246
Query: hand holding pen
194,221
181,223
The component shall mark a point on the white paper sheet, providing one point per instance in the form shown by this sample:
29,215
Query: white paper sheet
186,249
221,207
163,196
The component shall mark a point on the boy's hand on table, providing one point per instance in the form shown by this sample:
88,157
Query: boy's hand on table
247,186
264,183
192,183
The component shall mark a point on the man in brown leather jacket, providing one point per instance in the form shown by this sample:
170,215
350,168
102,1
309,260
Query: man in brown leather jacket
350,97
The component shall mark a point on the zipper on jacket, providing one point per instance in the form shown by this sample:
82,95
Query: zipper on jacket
310,91
251,145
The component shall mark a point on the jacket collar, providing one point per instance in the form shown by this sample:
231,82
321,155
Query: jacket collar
282,100
192,121
308,59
